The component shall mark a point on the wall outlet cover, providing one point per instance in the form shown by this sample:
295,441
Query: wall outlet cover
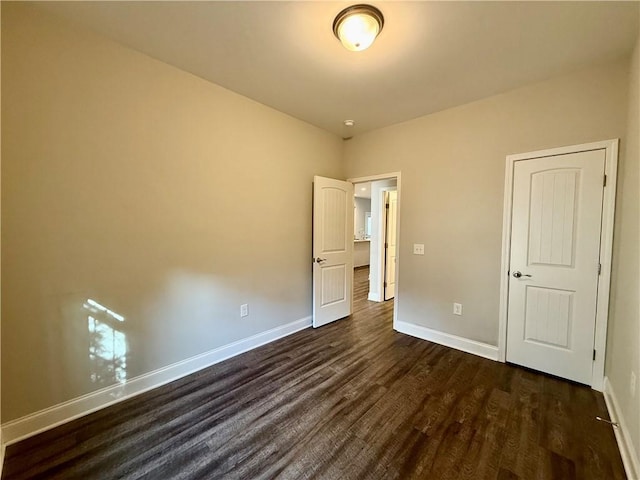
244,310
457,309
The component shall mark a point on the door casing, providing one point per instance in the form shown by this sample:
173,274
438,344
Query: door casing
606,247
387,242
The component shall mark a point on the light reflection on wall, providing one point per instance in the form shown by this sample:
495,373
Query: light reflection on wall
107,344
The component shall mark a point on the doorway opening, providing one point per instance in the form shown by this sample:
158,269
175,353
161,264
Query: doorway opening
376,233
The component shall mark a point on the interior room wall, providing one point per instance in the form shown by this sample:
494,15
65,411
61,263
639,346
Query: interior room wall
453,170
164,199
623,352
361,248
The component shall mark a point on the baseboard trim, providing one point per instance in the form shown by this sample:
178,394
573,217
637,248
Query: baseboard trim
459,343
627,451
373,297
2,449
51,417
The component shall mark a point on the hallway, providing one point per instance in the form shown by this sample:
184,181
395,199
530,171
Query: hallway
360,293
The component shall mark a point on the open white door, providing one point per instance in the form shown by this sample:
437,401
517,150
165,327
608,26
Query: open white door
391,209
554,265
332,249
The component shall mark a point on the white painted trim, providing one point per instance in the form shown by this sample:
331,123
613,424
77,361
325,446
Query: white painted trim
396,300
373,297
606,252
48,418
453,341
373,178
382,235
627,451
606,247
398,177
504,264
3,447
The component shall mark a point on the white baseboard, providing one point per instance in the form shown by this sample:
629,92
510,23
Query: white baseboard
374,297
32,424
459,343
628,453
2,449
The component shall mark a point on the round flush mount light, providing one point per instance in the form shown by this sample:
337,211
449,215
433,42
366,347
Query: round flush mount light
349,123
358,26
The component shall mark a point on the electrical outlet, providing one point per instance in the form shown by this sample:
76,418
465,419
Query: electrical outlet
244,309
418,248
457,309
632,384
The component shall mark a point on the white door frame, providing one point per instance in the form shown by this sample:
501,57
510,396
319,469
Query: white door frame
606,247
385,250
381,234
387,176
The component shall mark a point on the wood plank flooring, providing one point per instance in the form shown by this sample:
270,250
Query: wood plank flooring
351,400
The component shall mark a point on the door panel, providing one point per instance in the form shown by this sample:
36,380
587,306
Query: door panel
548,316
553,215
333,219
332,249
555,247
333,280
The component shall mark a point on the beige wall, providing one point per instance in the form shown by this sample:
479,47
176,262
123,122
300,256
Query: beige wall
623,352
453,167
165,198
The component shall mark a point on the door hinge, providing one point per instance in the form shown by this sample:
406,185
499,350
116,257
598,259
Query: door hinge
386,206
386,245
385,284
599,269
594,354
604,182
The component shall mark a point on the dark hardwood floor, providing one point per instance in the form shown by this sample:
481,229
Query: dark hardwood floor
351,400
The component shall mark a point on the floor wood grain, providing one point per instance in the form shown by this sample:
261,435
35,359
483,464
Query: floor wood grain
351,400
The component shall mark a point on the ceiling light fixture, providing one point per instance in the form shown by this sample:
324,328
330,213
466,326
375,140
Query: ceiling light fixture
349,123
358,26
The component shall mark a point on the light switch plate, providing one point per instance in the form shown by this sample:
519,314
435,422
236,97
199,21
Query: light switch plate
457,309
418,248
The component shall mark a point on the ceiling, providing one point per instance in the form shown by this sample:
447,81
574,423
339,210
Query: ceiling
429,56
362,190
